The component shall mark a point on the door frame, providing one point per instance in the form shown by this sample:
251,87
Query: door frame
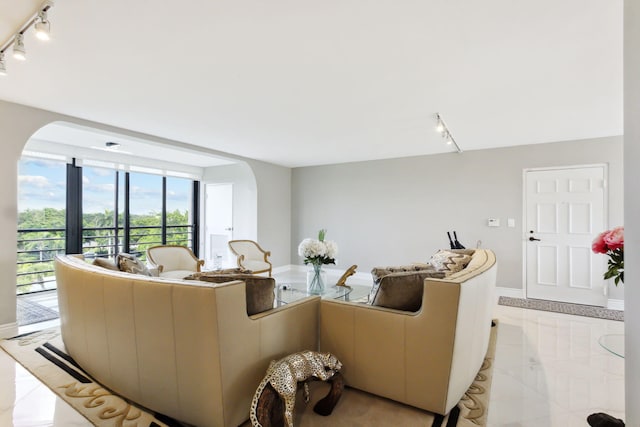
605,212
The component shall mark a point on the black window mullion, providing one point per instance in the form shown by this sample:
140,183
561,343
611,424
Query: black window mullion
164,210
127,220
195,219
73,243
116,231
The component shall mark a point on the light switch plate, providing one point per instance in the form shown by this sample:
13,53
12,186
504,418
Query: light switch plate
511,222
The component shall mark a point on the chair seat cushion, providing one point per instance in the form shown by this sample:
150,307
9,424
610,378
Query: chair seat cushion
255,265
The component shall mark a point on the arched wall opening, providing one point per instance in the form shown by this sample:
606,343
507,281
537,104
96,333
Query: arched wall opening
20,123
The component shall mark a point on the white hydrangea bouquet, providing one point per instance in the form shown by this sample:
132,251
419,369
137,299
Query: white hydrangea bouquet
317,253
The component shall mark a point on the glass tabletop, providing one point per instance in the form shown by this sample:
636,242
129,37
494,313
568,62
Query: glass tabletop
289,292
613,343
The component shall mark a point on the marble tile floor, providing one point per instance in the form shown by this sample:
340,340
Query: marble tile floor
549,370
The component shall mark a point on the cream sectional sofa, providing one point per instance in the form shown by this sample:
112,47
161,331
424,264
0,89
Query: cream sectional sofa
188,349
426,359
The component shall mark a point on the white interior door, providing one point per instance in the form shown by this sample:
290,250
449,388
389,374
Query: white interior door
564,212
218,226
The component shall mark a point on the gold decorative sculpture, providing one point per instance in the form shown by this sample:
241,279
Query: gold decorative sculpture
342,281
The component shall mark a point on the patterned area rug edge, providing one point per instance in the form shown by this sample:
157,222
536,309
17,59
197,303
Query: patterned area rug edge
563,307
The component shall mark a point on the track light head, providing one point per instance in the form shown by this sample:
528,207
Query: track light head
43,26
19,51
3,65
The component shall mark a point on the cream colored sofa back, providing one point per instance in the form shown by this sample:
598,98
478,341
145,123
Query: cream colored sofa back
426,359
185,349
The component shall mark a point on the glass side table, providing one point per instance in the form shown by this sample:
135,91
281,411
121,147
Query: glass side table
613,343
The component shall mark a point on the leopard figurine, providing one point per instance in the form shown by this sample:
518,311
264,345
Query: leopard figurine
284,375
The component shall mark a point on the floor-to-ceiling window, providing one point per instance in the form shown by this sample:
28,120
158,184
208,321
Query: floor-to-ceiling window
102,227
97,211
41,221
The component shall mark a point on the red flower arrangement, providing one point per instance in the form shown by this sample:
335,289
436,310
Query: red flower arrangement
611,243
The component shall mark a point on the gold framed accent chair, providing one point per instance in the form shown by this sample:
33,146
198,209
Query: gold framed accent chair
251,256
174,261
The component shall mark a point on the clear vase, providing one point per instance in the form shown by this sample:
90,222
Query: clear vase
316,280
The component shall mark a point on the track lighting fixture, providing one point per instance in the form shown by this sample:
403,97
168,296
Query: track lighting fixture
442,129
40,22
43,27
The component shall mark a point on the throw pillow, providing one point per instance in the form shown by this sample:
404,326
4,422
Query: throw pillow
259,290
106,263
449,262
131,264
379,272
402,290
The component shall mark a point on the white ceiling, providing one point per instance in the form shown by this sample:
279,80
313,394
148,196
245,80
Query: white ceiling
300,83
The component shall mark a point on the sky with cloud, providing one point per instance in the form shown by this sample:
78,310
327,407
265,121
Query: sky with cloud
42,183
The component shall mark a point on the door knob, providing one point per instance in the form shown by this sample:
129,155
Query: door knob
531,239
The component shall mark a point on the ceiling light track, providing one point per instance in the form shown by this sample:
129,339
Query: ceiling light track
40,21
442,129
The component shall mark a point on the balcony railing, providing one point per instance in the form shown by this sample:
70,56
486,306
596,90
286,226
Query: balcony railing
37,249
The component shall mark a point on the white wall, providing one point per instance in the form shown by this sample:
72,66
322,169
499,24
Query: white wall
245,197
274,210
18,123
397,211
264,215
632,210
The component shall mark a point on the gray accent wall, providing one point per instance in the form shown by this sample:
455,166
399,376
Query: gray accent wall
390,212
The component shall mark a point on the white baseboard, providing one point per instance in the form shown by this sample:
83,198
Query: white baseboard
8,330
615,304
509,292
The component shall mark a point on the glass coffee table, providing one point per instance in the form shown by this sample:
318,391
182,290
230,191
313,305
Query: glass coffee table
289,292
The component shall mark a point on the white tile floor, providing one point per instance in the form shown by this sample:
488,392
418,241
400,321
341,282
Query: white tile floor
549,371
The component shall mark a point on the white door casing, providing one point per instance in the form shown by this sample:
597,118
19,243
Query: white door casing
565,210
